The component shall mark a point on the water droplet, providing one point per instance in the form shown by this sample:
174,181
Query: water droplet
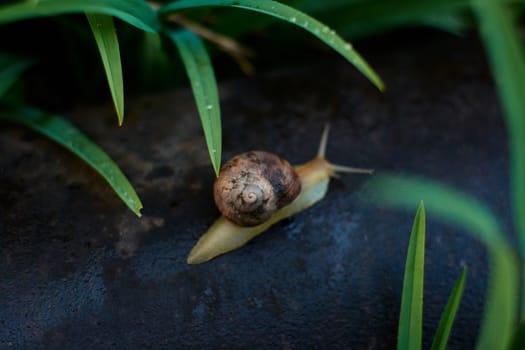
210,106
293,19
332,32
272,7
348,47
305,24
213,150
326,29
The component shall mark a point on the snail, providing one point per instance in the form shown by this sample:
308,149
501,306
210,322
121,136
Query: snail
257,189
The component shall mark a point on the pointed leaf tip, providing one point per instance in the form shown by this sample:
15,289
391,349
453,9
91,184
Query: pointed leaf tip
202,78
105,35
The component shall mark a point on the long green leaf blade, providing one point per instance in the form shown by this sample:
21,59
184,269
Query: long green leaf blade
503,45
502,296
289,14
136,12
11,68
411,316
204,86
106,37
449,314
61,131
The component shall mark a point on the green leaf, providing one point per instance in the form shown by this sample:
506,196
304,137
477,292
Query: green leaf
411,316
501,306
61,131
503,45
455,207
367,17
518,340
449,22
502,42
11,67
289,14
104,32
204,86
449,314
134,12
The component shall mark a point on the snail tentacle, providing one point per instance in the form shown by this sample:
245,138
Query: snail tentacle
335,167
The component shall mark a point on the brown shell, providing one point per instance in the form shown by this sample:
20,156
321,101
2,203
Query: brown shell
253,185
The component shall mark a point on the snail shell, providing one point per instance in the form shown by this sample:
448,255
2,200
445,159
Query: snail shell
253,185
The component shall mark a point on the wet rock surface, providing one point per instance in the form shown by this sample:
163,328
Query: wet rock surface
80,271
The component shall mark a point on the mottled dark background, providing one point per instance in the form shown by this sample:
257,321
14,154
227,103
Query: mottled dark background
79,271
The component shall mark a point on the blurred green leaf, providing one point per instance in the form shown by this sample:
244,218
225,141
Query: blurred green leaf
61,131
502,297
204,86
104,32
449,314
361,18
453,206
497,23
411,316
11,67
503,44
289,14
135,12
501,307
449,22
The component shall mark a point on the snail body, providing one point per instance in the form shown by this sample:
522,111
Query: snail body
306,188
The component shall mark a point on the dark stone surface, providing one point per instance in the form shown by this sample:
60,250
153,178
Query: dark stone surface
80,271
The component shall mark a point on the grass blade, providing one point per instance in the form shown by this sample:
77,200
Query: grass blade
204,86
11,67
449,314
409,333
61,131
503,45
135,12
289,14
106,37
502,296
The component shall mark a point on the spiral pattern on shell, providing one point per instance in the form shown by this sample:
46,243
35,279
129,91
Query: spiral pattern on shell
253,185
